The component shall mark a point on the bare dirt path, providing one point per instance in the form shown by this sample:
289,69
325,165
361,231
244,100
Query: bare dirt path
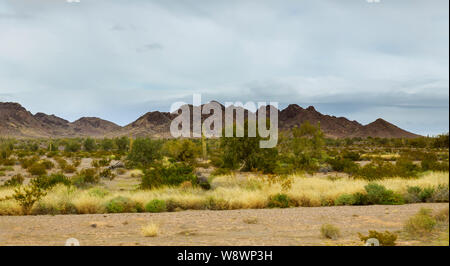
294,226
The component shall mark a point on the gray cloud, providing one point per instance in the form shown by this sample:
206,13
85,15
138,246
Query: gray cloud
118,59
149,47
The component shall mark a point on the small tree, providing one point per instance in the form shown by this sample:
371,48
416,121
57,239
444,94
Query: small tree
122,143
144,152
245,153
89,144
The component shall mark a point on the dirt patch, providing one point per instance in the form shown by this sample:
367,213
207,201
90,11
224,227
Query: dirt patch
293,226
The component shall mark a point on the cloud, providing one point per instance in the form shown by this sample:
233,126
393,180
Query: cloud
118,59
150,46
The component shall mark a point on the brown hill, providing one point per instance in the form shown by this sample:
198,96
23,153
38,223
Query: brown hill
382,129
16,121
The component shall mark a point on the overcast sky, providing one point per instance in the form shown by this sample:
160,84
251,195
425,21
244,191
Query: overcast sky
117,59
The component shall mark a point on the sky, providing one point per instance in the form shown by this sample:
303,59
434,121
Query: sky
118,59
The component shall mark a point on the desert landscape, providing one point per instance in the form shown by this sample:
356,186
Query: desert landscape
314,188
223,123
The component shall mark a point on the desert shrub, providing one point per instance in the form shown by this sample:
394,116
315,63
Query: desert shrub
61,163
420,224
48,164
123,205
173,175
61,207
220,172
378,194
15,180
386,239
104,162
107,173
379,169
345,199
430,163
98,192
122,143
351,155
150,230
442,216
413,194
330,231
28,162
156,206
107,144
8,161
26,196
76,162
85,177
279,201
72,146
417,194
441,194
144,152
184,150
341,164
360,199
47,182
37,169
68,169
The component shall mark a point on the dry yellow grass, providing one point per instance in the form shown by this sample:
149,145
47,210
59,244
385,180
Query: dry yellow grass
150,230
230,192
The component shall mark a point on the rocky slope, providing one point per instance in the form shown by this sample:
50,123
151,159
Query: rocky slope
16,121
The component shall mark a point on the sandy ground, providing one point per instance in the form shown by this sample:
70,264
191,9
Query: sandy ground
294,226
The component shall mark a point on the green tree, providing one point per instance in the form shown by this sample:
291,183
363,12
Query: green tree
89,144
245,154
144,152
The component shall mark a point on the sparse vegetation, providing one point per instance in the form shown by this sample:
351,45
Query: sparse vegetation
330,231
385,238
150,230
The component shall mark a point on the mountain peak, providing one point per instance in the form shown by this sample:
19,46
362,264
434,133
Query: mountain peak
311,108
16,121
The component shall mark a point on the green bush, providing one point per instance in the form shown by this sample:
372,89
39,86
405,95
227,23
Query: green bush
15,180
360,199
72,146
378,194
47,182
156,206
37,169
123,205
279,201
345,199
61,207
86,177
341,164
413,194
184,150
26,196
172,175
386,239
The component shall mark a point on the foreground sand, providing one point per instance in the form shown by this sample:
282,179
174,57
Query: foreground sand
293,226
